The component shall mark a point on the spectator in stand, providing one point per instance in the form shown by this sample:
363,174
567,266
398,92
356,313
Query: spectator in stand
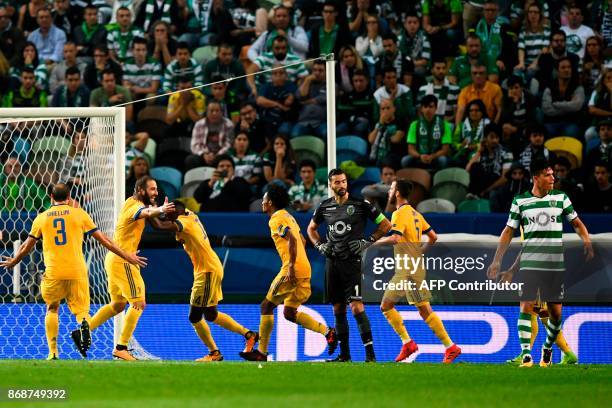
441,87
387,136
593,63
279,164
563,101
101,62
4,75
211,24
174,13
89,34
414,44
518,182
278,57
11,36
224,191
229,101
280,26
111,94
350,61
247,163
358,14
354,108
211,136
28,13
58,74
600,104
120,38
139,167
312,97
142,74
471,132
370,46
533,40
518,109
460,73
65,16
472,12
182,66
393,57
603,152
488,167
488,92
598,193
548,61
493,33
441,23
276,102
72,93
253,126
48,39
25,95
400,94
429,138
535,134
19,192
28,57
577,33
378,193
184,109
564,181
330,35
519,12
250,19
162,46
226,67
308,193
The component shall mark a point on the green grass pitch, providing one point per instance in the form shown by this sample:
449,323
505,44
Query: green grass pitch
187,384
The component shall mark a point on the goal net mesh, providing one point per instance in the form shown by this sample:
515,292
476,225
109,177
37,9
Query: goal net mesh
36,153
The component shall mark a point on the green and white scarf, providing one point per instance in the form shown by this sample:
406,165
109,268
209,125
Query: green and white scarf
491,38
150,9
204,8
473,134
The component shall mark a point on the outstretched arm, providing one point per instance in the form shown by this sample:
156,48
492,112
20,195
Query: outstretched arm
22,252
164,225
111,246
154,212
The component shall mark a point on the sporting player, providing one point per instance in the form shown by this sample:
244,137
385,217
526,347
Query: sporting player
346,220
407,228
540,212
207,276
62,229
292,284
540,309
125,284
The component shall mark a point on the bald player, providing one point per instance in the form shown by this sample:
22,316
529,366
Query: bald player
62,229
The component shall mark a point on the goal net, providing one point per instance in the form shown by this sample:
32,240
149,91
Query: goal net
84,148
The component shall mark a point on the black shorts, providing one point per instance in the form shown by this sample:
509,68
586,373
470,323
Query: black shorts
342,280
545,286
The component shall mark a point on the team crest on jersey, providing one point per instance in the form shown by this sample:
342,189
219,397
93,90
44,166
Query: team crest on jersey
553,203
350,210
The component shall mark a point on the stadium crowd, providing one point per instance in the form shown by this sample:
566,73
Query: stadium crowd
458,96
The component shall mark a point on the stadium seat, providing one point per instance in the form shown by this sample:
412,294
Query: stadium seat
321,175
567,147
53,144
170,179
452,175
154,127
188,189
152,112
370,176
309,147
350,148
474,206
592,144
172,152
21,149
150,151
421,181
205,54
436,205
451,184
255,206
199,174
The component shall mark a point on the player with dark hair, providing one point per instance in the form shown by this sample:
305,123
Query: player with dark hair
540,212
125,284
292,284
346,220
62,229
408,227
207,277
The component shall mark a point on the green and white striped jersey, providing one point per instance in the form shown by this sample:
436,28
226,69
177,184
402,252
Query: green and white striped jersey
542,222
142,75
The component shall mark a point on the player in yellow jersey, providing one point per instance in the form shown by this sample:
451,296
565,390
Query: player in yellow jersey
292,284
207,276
62,229
408,227
125,284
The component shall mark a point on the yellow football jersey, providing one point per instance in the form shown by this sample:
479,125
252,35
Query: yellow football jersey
62,229
129,228
195,241
409,223
282,223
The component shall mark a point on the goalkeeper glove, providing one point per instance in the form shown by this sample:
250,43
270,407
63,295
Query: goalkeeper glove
358,246
325,249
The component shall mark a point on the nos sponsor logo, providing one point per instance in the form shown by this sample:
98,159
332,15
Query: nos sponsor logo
340,227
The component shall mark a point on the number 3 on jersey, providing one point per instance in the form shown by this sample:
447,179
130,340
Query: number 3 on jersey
60,225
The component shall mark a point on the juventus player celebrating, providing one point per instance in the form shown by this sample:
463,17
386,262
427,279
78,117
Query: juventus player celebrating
346,219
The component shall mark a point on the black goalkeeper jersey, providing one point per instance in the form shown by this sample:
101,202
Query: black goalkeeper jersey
345,222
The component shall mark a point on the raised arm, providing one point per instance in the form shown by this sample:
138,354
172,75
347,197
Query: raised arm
154,212
111,246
